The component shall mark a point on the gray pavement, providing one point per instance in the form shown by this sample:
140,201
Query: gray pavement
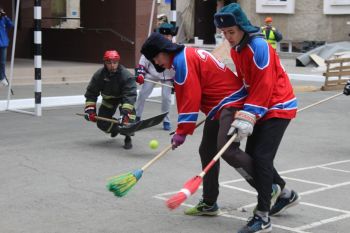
53,172
54,168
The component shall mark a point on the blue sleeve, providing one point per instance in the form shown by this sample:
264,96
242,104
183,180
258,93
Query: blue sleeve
8,22
260,48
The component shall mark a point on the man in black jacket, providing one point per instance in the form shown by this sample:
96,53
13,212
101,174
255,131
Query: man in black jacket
117,87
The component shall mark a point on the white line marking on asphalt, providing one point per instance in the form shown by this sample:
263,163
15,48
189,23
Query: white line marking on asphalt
306,77
322,222
56,101
312,167
299,229
306,181
325,207
324,188
239,189
335,169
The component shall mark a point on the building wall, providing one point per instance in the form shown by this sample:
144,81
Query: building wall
108,24
308,23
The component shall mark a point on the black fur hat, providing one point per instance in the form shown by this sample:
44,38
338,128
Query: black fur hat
157,43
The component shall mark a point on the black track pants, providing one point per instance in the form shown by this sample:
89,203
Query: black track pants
262,146
213,139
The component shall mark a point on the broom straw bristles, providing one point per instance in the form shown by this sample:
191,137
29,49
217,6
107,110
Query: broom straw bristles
121,185
190,187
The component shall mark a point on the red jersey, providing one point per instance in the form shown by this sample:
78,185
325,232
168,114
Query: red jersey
270,93
203,83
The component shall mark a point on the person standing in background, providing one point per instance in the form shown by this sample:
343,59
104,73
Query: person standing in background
272,35
5,24
147,70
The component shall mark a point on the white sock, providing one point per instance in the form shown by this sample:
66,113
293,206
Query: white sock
286,193
264,215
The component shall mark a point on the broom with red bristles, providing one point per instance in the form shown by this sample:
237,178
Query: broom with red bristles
192,185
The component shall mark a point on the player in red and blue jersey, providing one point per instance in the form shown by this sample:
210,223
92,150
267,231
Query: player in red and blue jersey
202,83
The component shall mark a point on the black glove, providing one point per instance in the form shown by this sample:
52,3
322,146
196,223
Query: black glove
347,88
90,112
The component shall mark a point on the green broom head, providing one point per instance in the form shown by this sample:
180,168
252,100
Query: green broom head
121,185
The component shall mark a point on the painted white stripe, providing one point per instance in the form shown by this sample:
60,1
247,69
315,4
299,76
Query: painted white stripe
239,189
324,221
56,101
37,61
38,110
37,37
307,77
313,167
247,206
273,225
232,181
335,169
38,86
324,188
173,16
37,12
325,207
306,181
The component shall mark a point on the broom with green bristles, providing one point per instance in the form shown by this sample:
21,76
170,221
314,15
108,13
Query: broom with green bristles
120,185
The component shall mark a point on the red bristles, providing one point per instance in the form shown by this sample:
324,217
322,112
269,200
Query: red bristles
190,187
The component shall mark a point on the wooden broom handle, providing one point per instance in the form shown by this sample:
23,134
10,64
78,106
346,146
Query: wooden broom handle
164,151
218,155
159,83
101,118
319,102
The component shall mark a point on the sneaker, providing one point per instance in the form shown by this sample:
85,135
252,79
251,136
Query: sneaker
203,209
256,224
4,82
276,191
284,203
127,143
137,119
166,126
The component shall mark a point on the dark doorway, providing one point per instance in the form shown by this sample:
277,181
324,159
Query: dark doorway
204,27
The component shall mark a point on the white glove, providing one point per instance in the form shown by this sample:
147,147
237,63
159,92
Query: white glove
244,123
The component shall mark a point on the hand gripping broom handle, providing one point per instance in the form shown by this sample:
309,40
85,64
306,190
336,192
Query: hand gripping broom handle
101,118
217,156
229,142
319,102
163,152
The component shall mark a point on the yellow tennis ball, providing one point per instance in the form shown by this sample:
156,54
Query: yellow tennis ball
153,144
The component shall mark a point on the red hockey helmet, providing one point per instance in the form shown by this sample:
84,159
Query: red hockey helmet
111,55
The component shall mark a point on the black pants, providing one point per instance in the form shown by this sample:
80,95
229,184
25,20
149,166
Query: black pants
107,112
255,165
262,146
213,139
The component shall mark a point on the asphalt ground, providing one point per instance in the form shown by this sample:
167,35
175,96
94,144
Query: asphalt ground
54,169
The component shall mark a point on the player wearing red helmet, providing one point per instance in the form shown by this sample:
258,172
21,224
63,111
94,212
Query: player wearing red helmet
117,87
